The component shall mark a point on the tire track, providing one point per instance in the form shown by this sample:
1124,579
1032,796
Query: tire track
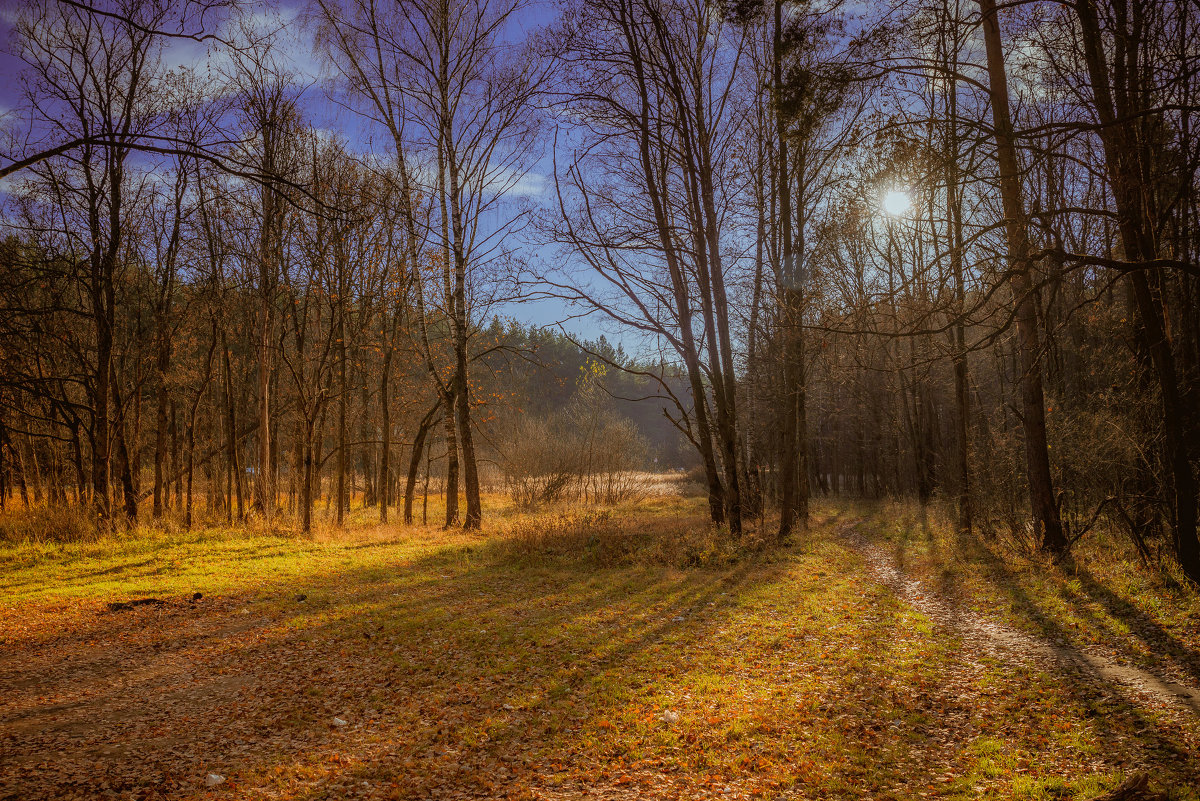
998,639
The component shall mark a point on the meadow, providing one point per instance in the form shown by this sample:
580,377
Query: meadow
621,653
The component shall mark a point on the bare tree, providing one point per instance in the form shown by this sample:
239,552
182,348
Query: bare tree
444,80
642,204
1016,225
94,80
268,113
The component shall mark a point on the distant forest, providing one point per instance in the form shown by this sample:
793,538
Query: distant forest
521,372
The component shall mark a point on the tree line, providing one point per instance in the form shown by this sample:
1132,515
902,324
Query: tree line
928,248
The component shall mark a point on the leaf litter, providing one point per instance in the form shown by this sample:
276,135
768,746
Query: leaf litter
793,674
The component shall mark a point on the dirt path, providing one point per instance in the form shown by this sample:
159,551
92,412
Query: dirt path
994,638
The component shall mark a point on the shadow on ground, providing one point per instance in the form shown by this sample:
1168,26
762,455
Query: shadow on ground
468,672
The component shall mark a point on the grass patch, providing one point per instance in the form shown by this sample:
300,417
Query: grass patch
1101,597
546,657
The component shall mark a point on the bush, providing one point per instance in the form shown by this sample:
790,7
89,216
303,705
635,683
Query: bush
594,458
538,464
51,524
605,539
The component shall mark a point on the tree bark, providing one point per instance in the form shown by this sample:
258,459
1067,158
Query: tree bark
234,452
385,455
160,425
1121,158
1033,408
793,467
342,392
451,488
414,462
460,317
124,462
962,394
653,175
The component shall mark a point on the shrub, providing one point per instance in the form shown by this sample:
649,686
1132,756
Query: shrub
595,458
605,539
51,524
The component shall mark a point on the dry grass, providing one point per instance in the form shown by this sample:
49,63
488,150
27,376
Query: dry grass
47,524
562,656
1102,597
663,529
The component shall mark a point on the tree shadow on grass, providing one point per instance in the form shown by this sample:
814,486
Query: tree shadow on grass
1093,593
516,642
469,671
1159,640
1091,697
562,717
474,673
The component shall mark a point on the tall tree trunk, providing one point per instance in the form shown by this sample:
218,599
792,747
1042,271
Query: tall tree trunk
306,487
174,477
470,467
1121,156
367,459
706,261
385,456
656,185
341,457
191,423
191,464
234,453
4,446
962,394
754,490
1033,407
77,458
124,462
263,485
724,380
425,489
461,318
451,487
101,432
22,483
160,425
793,468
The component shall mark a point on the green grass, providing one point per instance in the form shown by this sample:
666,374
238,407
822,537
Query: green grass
1101,597
542,658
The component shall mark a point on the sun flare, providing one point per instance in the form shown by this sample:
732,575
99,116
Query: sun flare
896,202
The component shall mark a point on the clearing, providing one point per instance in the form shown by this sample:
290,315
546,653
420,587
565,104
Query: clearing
570,657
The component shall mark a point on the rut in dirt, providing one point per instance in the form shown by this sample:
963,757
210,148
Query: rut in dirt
996,639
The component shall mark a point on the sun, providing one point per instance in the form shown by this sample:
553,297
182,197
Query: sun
896,202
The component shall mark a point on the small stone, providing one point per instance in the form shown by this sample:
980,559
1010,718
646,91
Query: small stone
212,780
669,717
301,598
339,722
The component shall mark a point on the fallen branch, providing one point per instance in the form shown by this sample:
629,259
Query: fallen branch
118,606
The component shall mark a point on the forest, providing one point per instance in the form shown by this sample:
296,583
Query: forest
572,399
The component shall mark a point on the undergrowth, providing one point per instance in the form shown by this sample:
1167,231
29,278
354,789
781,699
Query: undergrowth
627,652
605,539
1102,595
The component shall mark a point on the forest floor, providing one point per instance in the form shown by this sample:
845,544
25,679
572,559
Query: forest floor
618,655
